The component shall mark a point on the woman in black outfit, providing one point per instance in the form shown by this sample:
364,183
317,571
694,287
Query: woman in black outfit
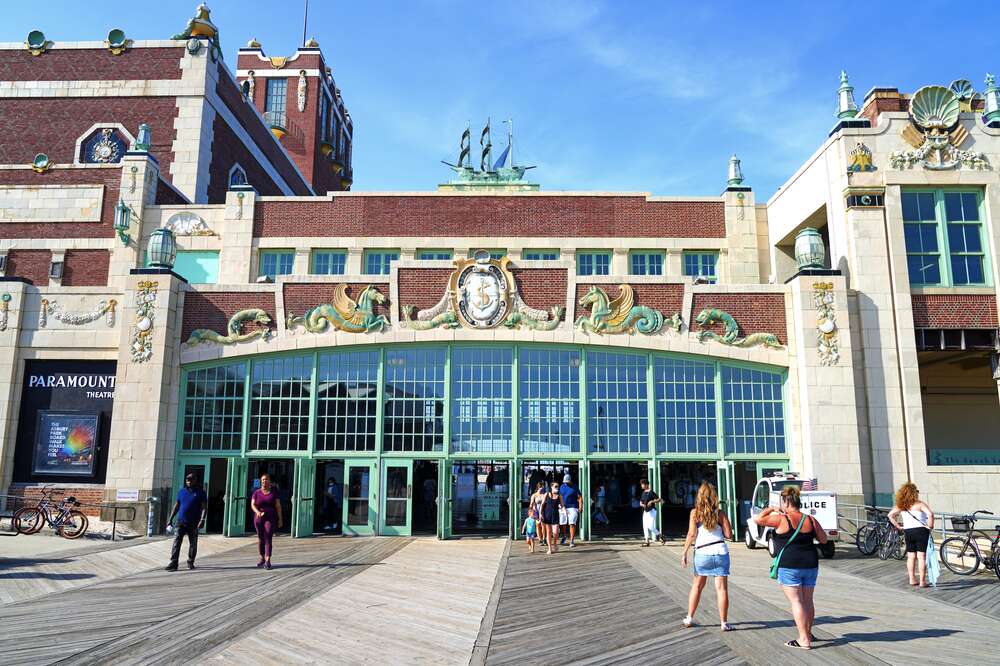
550,517
799,563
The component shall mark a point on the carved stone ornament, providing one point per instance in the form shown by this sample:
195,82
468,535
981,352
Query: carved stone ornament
827,340
52,309
861,159
4,310
186,223
936,134
251,84
620,315
482,294
731,331
142,329
344,314
302,90
107,149
235,330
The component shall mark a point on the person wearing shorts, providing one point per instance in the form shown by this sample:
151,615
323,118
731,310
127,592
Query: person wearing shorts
918,521
571,501
708,530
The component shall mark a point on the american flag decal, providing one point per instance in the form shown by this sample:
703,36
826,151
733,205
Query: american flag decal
810,484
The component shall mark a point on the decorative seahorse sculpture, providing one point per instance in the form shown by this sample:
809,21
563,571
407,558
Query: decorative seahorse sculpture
446,319
235,328
618,315
344,314
518,319
731,332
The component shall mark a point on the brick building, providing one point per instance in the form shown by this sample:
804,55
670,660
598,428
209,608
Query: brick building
416,362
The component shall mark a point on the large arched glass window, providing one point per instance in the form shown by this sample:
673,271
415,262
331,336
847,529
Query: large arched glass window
685,405
753,411
617,411
549,399
481,409
213,408
279,403
346,401
413,416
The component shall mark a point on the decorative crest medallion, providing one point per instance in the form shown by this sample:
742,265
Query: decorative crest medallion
936,134
106,149
861,159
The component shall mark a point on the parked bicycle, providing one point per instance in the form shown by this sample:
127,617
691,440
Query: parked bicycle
964,554
64,518
880,536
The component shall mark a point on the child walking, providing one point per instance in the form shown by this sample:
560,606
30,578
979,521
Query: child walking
530,530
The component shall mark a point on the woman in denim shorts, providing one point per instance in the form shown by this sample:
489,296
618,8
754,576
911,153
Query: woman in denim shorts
708,530
798,566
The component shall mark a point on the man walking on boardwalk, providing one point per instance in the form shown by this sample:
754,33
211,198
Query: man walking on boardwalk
190,510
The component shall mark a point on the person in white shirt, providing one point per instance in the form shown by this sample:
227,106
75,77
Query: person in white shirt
918,521
708,530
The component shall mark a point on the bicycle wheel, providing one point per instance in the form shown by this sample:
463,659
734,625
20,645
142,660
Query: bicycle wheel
27,520
887,546
867,539
959,556
900,552
74,526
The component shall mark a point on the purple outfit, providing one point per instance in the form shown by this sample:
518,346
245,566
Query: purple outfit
267,503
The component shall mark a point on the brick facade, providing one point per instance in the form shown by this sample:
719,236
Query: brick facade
54,124
92,65
168,196
86,268
227,150
110,178
500,216
755,313
542,288
299,297
667,298
32,265
954,311
421,287
88,496
213,309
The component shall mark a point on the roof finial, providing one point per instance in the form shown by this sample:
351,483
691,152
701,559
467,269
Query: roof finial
846,108
735,173
991,109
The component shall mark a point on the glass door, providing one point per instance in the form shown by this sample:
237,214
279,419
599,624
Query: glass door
727,492
444,499
397,493
303,499
201,468
359,497
234,521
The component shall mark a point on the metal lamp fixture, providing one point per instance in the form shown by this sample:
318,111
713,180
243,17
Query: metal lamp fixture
162,248
123,220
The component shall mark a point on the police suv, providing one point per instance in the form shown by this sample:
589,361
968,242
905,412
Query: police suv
820,504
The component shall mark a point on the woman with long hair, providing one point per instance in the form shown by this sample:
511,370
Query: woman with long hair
798,561
266,517
551,506
708,530
918,521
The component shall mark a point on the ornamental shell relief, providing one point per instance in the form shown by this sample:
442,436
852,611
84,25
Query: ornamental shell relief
142,330
828,343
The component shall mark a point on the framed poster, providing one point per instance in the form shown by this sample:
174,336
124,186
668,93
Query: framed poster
66,442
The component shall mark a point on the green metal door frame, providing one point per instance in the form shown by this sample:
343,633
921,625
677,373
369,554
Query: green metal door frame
236,497
726,477
406,528
367,528
303,497
444,499
205,462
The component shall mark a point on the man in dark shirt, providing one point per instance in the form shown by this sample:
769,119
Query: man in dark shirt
190,509
648,501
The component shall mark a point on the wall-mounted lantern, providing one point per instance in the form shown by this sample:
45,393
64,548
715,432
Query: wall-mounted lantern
144,140
809,249
117,42
123,220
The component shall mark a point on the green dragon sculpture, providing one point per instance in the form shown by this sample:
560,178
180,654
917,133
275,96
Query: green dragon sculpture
730,336
518,319
235,328
343,313
446,319
619,315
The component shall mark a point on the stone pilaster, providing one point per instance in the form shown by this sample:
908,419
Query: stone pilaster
140,177
11,309
741,262
237,238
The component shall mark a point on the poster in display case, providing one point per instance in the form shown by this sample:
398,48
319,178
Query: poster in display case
66,443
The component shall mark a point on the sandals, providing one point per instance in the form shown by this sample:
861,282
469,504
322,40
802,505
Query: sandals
796,645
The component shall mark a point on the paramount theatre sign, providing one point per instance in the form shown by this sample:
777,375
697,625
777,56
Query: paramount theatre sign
100,386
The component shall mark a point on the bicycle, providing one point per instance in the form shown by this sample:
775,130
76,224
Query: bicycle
963,555
869,534
67,521
892,544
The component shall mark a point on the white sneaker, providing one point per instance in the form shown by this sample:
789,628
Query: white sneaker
687,621
725,626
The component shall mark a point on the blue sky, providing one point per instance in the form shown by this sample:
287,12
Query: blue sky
624,96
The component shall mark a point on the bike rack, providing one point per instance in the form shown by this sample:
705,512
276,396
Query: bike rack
120,512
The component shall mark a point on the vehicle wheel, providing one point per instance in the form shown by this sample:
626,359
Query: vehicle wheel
771,548
959,556
75,525
748,539
827,550
27,520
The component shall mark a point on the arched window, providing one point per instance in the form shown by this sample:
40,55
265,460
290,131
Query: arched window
237,176
104,145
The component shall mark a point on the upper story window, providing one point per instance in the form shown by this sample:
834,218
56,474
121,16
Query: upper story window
275,100
237,176
540,255
329,262
324,123
593,263
377,262
495,253
276,262
702,265
644,262
104,146
431,255
946,223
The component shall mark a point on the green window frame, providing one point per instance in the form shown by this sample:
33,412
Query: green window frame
434,255
540,255
276,262
702,264
646,262
213,408
944,237
281,403
328,262
378,262
347,400
593,263
276,100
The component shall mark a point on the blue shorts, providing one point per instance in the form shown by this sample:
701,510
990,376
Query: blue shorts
711,565
797,577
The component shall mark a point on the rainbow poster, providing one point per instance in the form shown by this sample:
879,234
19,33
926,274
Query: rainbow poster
66,443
